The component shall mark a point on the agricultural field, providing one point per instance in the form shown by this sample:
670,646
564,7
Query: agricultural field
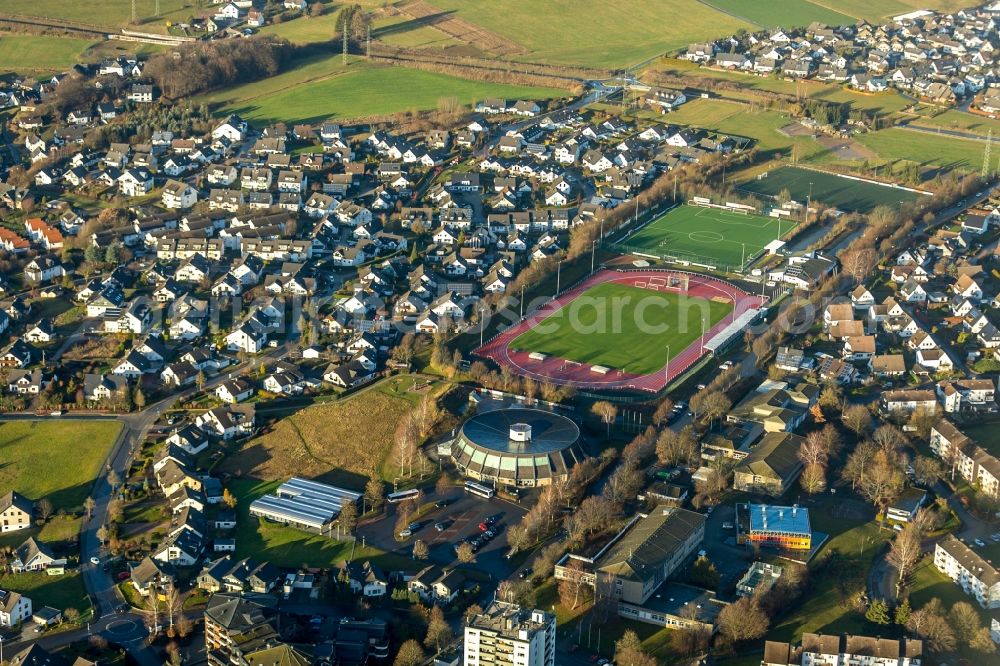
708,235
34,455
103,13
337,442
40,53
628,32
924,148
885,9
606,324
783,13
827,188
325,89
404,32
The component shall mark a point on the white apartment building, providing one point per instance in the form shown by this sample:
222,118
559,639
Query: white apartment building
972,462
976,576
844,650
507,635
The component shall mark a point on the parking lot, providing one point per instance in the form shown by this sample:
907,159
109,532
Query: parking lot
462,517
720,546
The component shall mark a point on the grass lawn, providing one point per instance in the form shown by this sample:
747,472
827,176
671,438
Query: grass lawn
889,101
952,119
559,31
784,13
927,583
337,442
322,89
986,435
307,29
62,592
708,235
290,547
607,324
926,149
822,610
828,188
54,459
761,126
58,529
706,112
40,53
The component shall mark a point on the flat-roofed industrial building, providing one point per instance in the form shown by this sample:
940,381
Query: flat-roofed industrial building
786,527
308,505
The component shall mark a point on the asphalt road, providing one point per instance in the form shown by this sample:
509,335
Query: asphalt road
128,629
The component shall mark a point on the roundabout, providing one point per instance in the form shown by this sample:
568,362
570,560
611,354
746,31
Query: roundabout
122,628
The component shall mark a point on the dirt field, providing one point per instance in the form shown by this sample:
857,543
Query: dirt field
460,29
91,349
342,441
846,149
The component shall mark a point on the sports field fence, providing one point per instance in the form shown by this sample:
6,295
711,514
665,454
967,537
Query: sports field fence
682,258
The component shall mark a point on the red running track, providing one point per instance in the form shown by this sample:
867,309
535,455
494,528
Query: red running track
560,371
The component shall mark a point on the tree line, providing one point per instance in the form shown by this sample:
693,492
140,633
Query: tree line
201,66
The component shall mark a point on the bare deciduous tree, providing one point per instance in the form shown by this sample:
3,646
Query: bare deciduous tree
743,620
813,478
904,554
607,412
857,419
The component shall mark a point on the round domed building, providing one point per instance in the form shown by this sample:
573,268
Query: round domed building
517,447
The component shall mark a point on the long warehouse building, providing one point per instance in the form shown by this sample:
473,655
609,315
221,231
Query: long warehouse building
305,504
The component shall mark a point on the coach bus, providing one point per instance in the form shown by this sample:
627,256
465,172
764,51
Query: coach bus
479,489
402,495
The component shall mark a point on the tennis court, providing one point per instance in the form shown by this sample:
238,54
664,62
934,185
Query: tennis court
831,189
707,236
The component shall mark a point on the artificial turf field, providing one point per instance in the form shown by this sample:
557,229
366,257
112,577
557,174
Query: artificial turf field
828,188
618,326
707,236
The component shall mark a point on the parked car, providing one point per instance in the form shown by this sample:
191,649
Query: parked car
406,534
980,543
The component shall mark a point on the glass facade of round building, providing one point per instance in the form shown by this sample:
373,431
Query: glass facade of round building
517,447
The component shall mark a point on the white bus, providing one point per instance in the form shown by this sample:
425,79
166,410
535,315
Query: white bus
479,489
402,495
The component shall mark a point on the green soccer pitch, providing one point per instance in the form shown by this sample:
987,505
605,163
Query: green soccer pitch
617,326
708,236
828,188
